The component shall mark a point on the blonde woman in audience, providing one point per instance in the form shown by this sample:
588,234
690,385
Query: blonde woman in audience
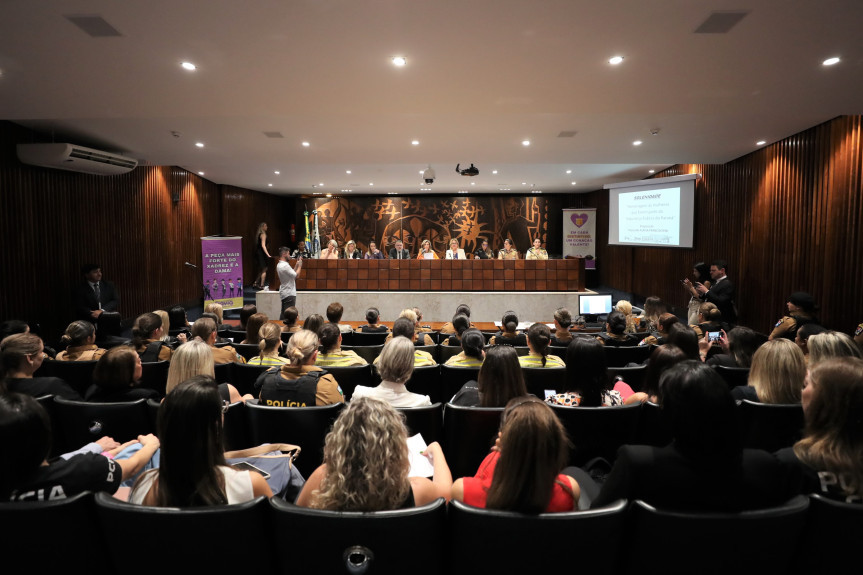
196,358
299,383
166,321
396,365
270,342
217,310
625,308
653,308
538,340
831,344
410,314
21,355
80,342
421,328
426,251
366,464
776,375
253,327
403,327
331,353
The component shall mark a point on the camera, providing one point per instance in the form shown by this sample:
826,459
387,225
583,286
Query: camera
714,336
428,175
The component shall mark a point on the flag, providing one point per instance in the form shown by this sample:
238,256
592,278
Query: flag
306,217
317,242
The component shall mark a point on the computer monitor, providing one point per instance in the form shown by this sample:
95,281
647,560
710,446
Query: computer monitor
593,305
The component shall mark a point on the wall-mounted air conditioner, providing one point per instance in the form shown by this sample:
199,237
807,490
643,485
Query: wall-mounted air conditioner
75,158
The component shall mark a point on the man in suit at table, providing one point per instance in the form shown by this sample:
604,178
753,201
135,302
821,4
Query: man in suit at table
399,252
721,292
97,301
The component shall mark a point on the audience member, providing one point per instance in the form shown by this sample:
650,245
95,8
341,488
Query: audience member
666,320
366,464
179,321
803,335
700,273
562,322
246,312
683,337
404,327
624,307
509,334
524,473
205,329
289,320
721,292
331,352
196,358
587,381
709,320
500,379
21,355
166,336
460,323
538,339
192,469
372,317
13,326
253,328
776,375
830,344
738,347
117,377
299,383
269,342
661,359
147,340
615,331
395,365
217,310
80,342
334,315
472,350
801,311
653,308
462,309
421,338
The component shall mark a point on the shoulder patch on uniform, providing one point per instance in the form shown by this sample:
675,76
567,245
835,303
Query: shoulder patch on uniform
859,330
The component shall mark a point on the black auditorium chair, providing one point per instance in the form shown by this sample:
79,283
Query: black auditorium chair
476,539
244,376
623,355
189,537
447,351
286,336
350,376
539,379
770,426
558,350
521,350
653,428
78,374
733,376
598,431
236,429
426,420
438,337
469,434
69,524
698,538
79,423
154,375
223,372
452,378
831,536
247,350
432,349
362,542
303,426
632,376
367,352
47,403
362,338
236,335
425,380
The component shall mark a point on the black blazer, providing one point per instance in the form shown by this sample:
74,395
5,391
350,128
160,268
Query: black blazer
394,254
722,294
84,299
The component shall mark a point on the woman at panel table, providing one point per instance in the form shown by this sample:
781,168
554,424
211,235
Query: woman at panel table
351,251
426,252
331,252
536,252
454,252
483,252
508,252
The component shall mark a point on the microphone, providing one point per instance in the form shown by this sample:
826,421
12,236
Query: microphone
191,265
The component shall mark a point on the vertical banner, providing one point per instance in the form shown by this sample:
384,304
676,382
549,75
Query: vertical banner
579,234
222,263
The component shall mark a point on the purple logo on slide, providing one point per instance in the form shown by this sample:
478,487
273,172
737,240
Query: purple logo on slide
579,219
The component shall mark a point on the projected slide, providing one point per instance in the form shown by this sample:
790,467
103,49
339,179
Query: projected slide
650,217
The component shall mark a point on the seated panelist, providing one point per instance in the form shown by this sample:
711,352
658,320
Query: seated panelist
399,252
536,252
426,252
454,252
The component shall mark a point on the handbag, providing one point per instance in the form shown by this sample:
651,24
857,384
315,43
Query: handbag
276,459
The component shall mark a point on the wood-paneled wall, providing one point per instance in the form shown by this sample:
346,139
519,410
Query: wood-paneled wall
141,227
787,218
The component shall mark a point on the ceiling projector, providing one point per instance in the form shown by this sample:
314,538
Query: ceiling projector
429,175
471,171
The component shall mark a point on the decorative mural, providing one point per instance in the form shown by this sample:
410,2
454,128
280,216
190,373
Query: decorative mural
437,218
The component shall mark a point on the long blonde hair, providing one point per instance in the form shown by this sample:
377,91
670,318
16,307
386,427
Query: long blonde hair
301,346
190,359
778,371
270,337
366,459
625,307
216,309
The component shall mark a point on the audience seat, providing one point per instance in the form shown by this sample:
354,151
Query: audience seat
453,378
833,531
303,426
154,375
362,338
760,541
469,434
653,428
770,426
349,377
733,376
79,423
558,350
598,431
286,336
236,335
247,350
402,541
425,380
447,351
478,540
621,356
78,374
434,350
244,376
367,352
538,379
426,420
217,539
632,376
223,372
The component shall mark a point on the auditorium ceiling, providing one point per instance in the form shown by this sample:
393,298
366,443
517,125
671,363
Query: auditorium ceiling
700,82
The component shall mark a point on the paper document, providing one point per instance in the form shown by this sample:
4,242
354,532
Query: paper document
420,465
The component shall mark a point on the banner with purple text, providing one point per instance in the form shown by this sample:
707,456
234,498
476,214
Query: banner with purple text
579,234
222,263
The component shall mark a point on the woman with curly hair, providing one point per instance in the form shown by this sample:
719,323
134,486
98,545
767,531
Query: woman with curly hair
366,464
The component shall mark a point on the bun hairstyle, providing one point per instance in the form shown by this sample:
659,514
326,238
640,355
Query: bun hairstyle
372,315
472,343
329,337
302,346
77,333
144,326
509,322
563,317
460,323
616,323
270,336
539,337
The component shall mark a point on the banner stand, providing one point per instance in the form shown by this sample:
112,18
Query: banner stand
222,270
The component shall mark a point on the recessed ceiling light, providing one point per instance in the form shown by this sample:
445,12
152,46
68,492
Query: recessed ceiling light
189,66
760,143
347,171
329,195
831,61
321,184
636,143
200,173
473,183
572,183
371,183
569,171
277,172
525,142
199,144
415,143
615,60
494,171
306,144
270,185
651,171
399,61
524,183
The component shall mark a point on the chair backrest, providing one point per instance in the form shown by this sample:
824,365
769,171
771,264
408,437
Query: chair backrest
236,433
79,422
771,539
78,374
426,420
733,376
223,372
286,336
437,336
247,350
653,428
154,375
476,538
558,350
770,426
434,350
68,526
469,433
598,431
355,542
622,355
426,381
831,536
453,378
243,376
632,376
447,351
235,334
538,379
190,539
350,376
367,352
363,338
303,426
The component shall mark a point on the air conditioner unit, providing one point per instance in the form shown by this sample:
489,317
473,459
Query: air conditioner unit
75,158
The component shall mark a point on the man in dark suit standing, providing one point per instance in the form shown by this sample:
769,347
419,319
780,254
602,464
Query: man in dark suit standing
399,252
721,292
97,301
